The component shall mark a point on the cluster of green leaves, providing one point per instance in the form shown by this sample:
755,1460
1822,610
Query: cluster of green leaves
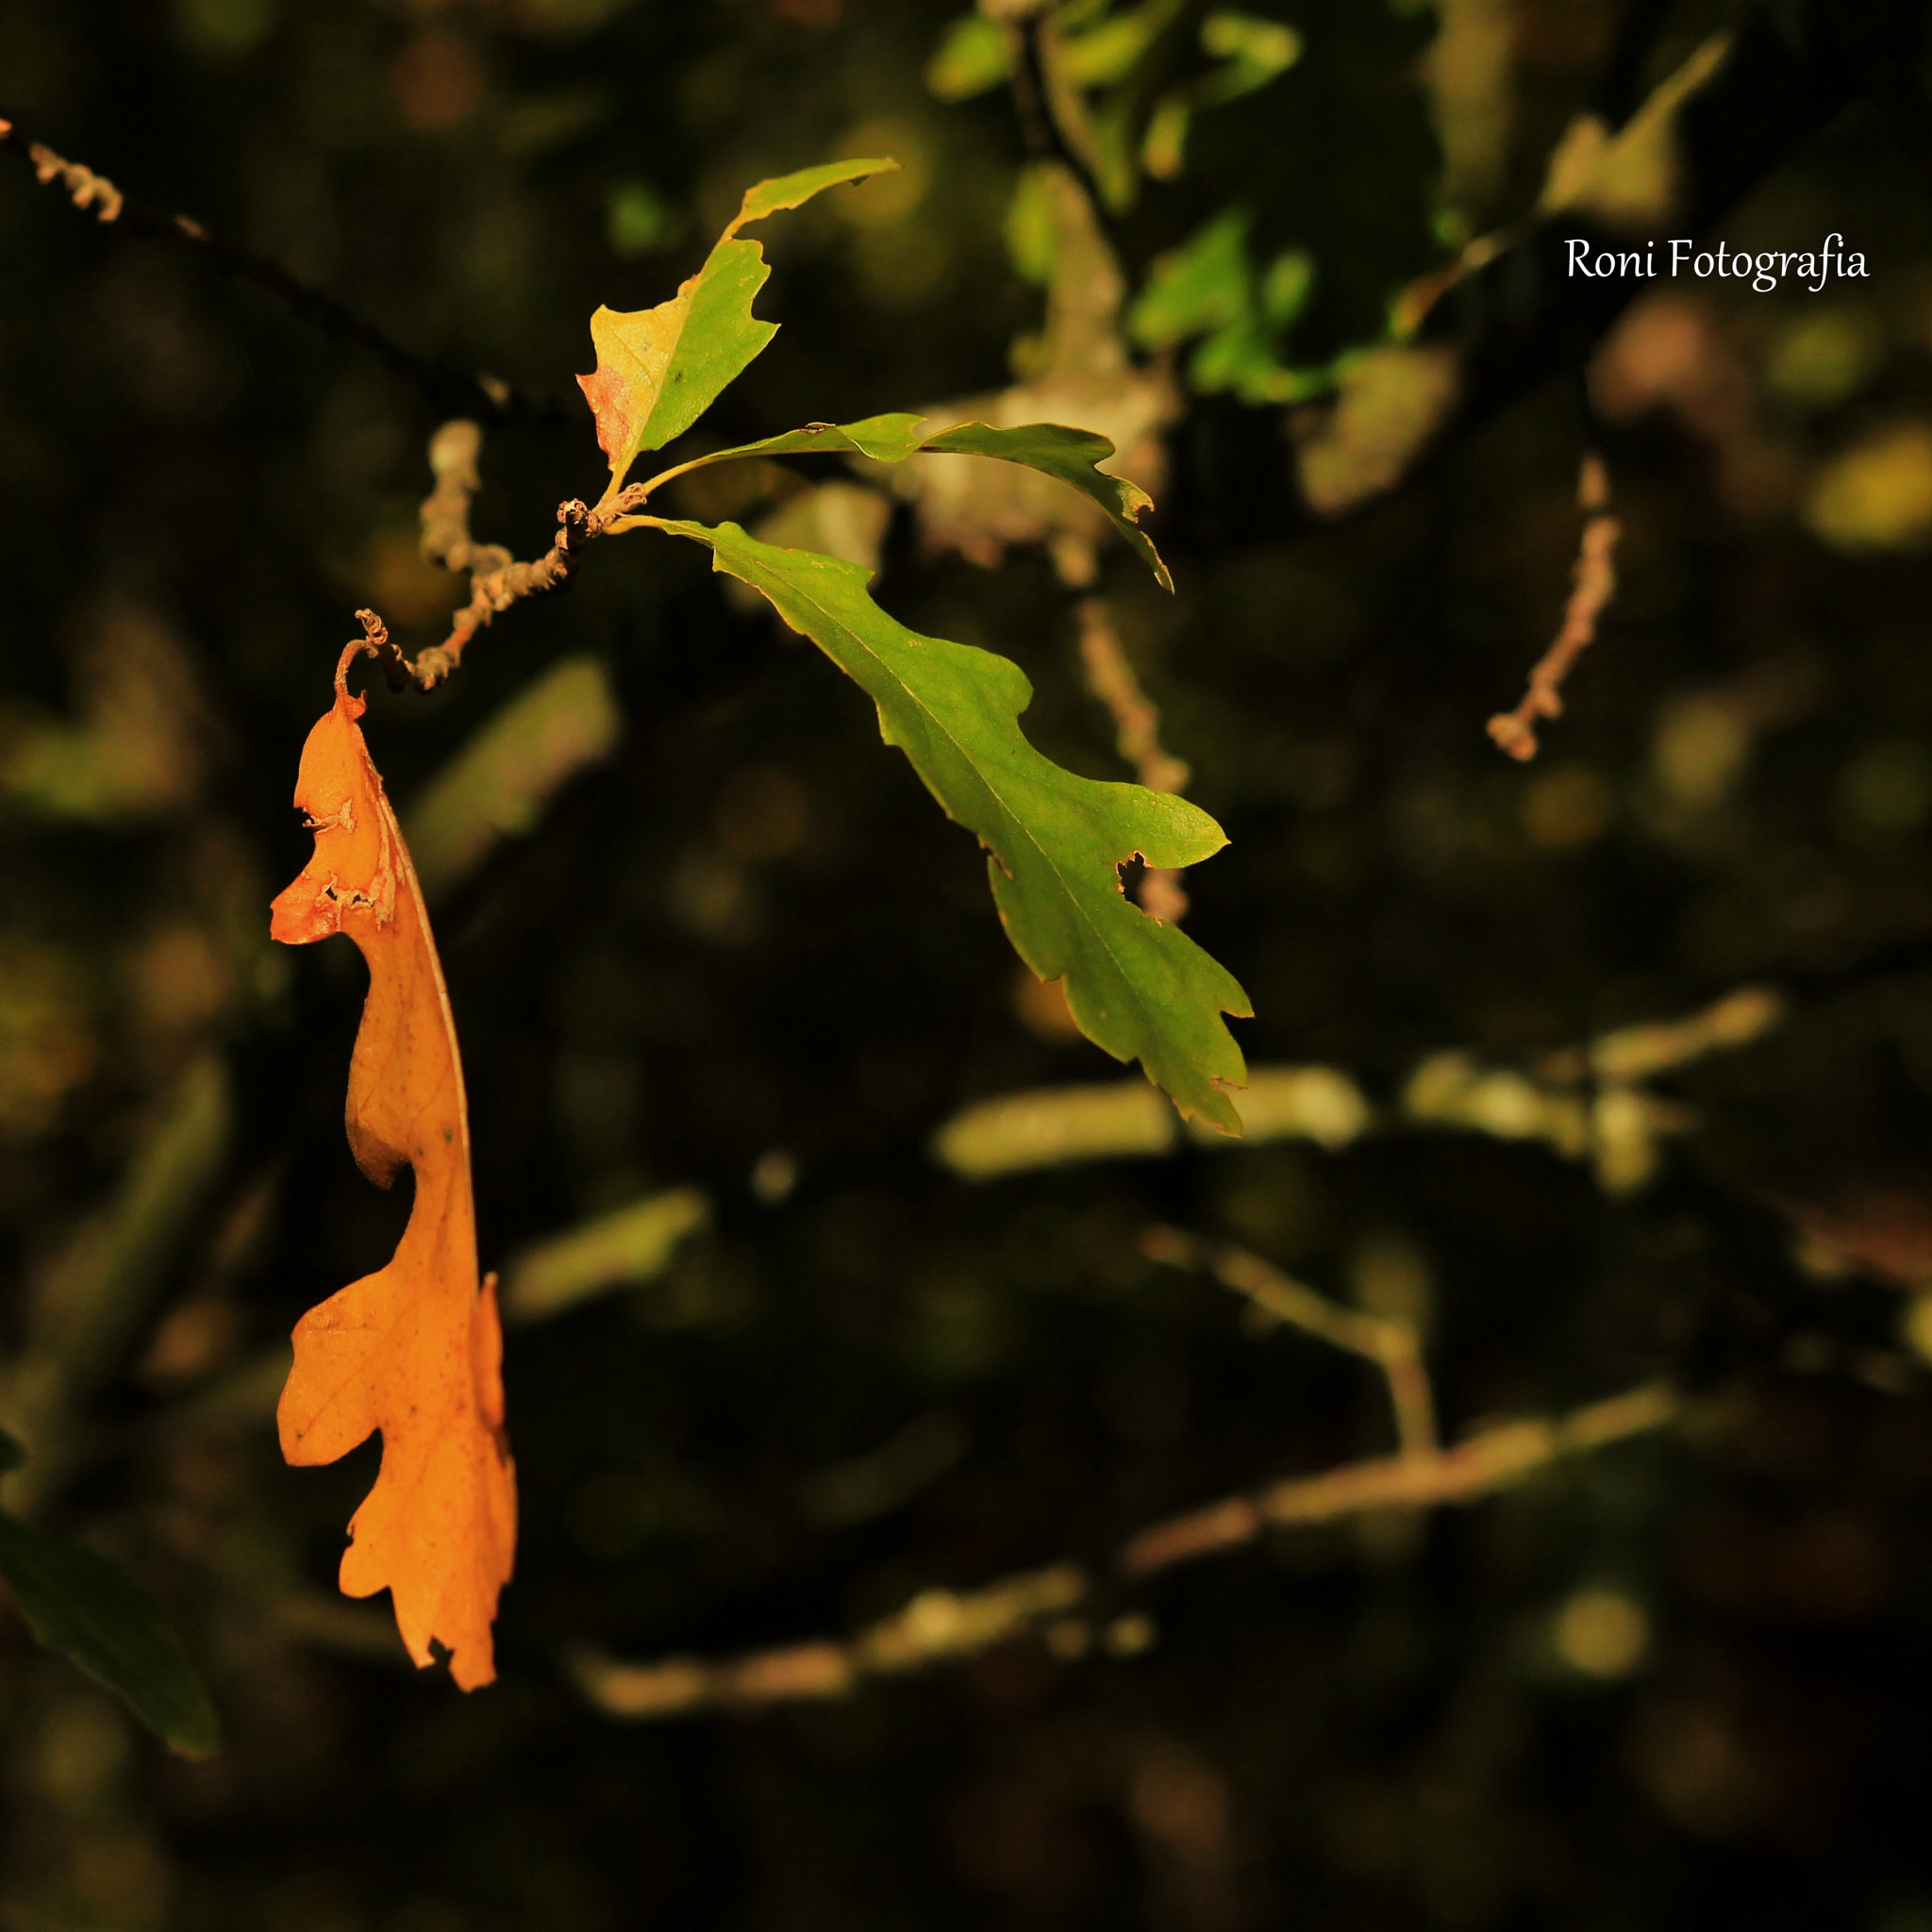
1210,292
1124,84
1123,76
93,1612
1136,985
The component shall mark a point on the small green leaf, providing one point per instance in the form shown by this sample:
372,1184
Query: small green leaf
1106,54
95,1614
974,54
1199,286
639,220
659,370
1209,288
1258,49
1286,286
1034,221
1137,987
795,189
1072,456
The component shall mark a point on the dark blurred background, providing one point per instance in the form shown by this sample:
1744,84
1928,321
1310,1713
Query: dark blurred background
714,955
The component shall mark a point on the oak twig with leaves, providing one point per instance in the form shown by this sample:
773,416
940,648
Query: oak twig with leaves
1134,984
413,1350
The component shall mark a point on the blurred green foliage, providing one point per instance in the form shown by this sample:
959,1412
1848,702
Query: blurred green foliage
79,1604
735,952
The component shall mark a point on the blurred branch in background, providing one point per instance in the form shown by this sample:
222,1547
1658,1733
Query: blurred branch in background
1394,1345
1594,581
1137,736
450,391
942,1626
1589,1102
630,1246
1495,1459
497,785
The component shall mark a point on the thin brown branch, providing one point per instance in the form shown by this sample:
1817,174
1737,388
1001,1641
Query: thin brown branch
497,580
495,590
451,392
940,1626
1137,722
455,452
1493,1460
1137,733
1660,1046
937,1626
1594,583
1052,117
1395,1346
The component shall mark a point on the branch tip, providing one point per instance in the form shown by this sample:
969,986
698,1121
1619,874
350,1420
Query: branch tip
1594,583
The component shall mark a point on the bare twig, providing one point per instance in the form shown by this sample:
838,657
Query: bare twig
1395,1346
495,590
937,1626
451,392
1493,1459
1110,679
940,1626
497,580
1137,734
1052,118
455,451
1661,1047
1594,580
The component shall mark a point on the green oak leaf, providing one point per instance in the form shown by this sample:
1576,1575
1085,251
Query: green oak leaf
91,1611
1072,456
659,370
1137,987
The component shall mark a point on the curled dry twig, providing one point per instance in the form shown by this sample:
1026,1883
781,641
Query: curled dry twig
1594,581
85,189
497,580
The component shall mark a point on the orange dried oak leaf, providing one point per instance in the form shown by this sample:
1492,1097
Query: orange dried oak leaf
416,1349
